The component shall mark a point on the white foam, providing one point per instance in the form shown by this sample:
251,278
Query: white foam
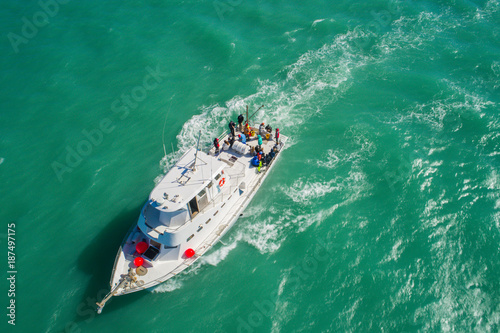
264,234
433,207
215,257
168,286
318,78
316,22
364,148
306,191
331,159
461,101
450,302
266,227
493,181
2,160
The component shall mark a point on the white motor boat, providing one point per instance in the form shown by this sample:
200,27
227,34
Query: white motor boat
191,208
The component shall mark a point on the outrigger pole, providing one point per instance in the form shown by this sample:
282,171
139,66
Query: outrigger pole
196,154
247,115
254,112
248,118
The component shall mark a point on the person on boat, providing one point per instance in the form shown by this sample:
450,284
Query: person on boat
259,141
256,150
271,154
243,138
277,135
268,158
247,129
265,158
231,141
232,126
269,129
216,145
262,130
240,122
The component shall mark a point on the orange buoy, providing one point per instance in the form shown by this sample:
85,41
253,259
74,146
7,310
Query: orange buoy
189,253
141,247
138,261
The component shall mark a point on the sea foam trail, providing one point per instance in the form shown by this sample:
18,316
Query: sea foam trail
317,79
301,205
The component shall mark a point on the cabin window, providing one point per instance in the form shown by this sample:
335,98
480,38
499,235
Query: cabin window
190,237
155,244
217,177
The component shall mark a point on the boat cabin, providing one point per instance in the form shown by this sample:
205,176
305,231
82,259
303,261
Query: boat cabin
185,191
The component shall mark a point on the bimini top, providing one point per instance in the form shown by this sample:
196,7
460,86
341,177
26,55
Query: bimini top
181,183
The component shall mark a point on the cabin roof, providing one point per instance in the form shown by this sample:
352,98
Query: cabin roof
181,183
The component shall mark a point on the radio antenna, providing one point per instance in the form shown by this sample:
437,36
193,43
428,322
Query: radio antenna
196,154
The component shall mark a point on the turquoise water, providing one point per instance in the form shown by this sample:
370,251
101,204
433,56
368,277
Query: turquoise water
382,215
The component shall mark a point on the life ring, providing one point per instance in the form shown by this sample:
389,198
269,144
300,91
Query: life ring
222,181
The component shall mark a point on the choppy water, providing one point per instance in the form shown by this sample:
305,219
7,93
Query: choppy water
382,215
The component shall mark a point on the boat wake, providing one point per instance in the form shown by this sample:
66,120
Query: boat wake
317,80
301,91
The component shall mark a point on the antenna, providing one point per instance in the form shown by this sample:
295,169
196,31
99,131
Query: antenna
163,132
196,154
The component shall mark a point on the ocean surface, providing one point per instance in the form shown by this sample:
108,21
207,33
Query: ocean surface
382,215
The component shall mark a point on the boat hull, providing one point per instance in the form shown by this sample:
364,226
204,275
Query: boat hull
243,183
